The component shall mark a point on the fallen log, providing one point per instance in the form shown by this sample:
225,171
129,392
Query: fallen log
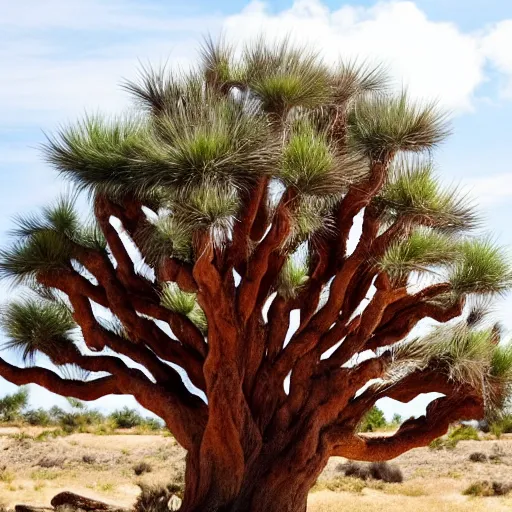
29,508
75,501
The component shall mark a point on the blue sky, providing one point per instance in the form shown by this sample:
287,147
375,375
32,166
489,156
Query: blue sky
61,58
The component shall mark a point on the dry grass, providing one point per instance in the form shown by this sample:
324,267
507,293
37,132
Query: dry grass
326,501
101,467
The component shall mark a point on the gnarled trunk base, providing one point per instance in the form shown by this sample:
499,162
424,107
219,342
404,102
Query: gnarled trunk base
270,484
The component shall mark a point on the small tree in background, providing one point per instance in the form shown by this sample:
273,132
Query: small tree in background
222,206
373,420
12,406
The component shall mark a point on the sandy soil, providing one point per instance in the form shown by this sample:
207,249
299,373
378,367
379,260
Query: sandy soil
101,467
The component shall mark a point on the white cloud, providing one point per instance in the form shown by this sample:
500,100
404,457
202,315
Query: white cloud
434,59
491,190
64,58
496,46
67,57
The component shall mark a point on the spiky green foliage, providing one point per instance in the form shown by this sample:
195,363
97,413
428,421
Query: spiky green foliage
103,152
63,218
312,165
468,356
423,251
167,236
48,241
199,136
282,76
155,90
222,139
218,66
43,252
312,216
210,206
382,125
353,80
414,191
292,278
501,363
462,353
483,268
60,217
185,303
33,326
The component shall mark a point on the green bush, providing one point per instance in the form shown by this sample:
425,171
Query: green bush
502,425
80,420
496,430
56,413
126,418
11,406
38,417
443,443
152,424
45,435
449,442
373,420
464,433
486,488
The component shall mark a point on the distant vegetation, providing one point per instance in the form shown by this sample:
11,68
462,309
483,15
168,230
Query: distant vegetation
375,420
14,410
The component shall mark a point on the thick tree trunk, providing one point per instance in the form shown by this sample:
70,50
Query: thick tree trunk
273,483
256,497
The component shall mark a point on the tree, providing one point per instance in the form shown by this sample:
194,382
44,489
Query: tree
373,420
223,205
11,406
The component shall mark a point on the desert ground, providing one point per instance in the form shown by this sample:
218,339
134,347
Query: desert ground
101,467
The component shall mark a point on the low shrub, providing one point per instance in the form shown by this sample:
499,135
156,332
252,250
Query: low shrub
503,425
449,442
156,498
51,434
478,457
484,488
38,417
501,489
496,430
141,468
386,472
376,471
88,459
152,424
126,418
51,462
355,470
464,433
12,406
79,420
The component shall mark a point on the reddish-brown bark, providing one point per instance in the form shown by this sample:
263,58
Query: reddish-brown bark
253,446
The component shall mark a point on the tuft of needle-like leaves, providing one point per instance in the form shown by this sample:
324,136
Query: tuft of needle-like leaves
33,326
